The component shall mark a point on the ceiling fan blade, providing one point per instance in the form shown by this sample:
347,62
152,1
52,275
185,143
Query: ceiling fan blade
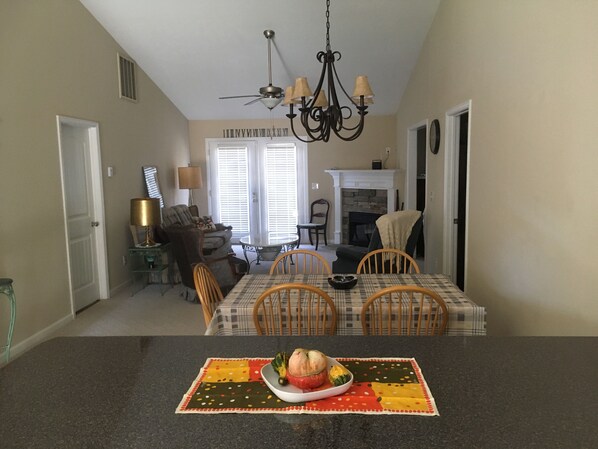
239,96
252,101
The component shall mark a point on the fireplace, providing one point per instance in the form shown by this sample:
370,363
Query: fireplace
361,227
357,180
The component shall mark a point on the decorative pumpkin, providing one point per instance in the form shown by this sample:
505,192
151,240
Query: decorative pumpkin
307,368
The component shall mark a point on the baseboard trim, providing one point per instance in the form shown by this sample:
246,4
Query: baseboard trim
35,339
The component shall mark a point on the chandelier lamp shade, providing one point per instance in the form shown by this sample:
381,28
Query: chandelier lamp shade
320,112
190,178
145,212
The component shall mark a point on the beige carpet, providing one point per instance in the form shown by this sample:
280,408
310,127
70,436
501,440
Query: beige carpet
150,313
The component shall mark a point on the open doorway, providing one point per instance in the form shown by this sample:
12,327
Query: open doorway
456,190
416,181
420,192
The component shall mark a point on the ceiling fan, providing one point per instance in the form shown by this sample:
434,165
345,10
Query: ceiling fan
269,95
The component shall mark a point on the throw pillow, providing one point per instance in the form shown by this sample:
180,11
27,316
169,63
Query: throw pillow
206,223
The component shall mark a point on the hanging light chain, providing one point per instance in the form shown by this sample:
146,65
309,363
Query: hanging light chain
319,121
327,25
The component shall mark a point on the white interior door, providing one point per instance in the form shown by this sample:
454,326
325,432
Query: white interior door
84,219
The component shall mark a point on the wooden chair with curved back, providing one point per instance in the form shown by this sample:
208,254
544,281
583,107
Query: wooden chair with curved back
294,309
207,289
387,260
300,261
404,310
318,222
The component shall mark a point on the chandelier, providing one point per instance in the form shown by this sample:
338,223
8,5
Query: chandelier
321,114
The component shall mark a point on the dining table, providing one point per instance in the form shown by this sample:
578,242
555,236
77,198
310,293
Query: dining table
123,392
234,315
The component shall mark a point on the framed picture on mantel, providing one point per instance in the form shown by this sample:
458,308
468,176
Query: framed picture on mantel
376,164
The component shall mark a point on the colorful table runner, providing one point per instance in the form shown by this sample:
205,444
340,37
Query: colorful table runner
380,386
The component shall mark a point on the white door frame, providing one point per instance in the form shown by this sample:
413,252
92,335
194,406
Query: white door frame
411,178
411,169
93,136
451,159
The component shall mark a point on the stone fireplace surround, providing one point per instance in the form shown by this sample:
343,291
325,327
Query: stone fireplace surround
369,189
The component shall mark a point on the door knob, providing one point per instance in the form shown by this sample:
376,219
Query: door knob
95,224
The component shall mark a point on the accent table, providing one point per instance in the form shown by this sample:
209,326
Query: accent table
150,260
267,247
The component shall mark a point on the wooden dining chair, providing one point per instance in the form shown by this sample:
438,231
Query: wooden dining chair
404,310
207,289
387,260
294,309
318,222
300,261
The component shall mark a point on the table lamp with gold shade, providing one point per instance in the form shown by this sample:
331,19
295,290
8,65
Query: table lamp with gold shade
145,212
190,178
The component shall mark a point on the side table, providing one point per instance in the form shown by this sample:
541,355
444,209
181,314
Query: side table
148,260
267,247
7,290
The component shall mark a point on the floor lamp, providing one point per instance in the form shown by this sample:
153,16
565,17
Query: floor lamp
190,178
145,212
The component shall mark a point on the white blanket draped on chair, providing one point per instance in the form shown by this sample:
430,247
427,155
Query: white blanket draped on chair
395,228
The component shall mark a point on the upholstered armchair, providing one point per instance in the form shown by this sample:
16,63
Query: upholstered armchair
216,237
187,244
349,256
196,239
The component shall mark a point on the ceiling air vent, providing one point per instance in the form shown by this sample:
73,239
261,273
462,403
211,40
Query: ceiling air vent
126,77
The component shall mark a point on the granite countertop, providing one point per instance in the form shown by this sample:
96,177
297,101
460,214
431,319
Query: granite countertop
122,392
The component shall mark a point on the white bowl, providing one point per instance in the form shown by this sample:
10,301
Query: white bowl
290,393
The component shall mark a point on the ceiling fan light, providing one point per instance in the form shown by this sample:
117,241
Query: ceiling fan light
362,88
270,102
301,89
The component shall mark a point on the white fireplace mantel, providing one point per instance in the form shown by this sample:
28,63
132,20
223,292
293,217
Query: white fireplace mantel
362,179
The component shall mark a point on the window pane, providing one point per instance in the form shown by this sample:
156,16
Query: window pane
233,186
281,188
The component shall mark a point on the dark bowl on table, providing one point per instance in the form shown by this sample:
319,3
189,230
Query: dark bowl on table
342,281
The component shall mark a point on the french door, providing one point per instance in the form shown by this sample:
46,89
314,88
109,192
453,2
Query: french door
258,186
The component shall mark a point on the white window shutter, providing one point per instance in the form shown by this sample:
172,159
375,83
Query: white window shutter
280,163
233,186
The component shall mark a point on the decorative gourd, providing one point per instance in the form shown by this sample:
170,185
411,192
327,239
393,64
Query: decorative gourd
307,368
339,375
280,363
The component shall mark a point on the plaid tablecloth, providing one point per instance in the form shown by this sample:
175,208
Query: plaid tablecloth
234,315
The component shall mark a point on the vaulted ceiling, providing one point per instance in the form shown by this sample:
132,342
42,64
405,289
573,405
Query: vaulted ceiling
199,50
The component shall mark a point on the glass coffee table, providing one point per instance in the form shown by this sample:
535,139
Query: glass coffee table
267,247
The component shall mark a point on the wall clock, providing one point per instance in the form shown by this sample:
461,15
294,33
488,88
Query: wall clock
434,136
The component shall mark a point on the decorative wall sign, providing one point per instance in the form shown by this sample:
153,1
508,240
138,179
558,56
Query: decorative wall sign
231,133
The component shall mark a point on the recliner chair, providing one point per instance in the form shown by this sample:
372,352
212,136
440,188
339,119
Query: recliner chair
349,256
187,244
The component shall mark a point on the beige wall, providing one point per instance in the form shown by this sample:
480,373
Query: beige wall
529,68
379,133
57,60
